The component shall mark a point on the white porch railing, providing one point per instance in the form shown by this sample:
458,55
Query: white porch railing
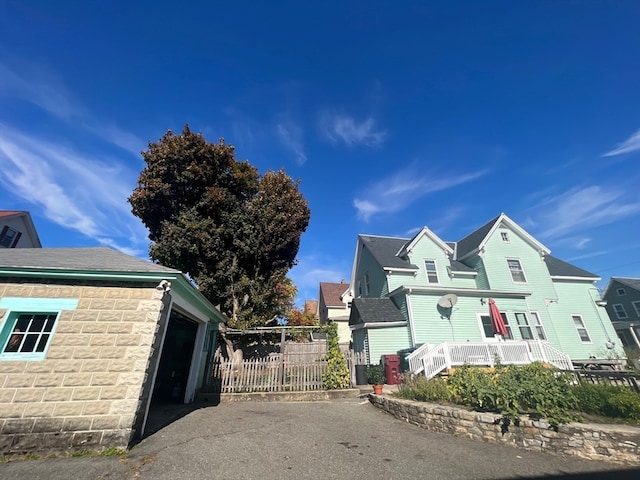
432,359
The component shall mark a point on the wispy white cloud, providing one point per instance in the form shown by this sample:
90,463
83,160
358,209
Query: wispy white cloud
398,191
589,255
291,137
348,130
313,269
631,144
580,209
74,190
42,89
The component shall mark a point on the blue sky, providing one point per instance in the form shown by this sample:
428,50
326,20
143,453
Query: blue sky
394,115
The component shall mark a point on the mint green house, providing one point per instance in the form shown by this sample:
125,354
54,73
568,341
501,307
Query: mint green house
433,296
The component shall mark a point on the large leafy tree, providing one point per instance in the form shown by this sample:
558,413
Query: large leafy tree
235,232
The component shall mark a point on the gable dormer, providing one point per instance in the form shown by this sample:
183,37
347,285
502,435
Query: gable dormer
502,226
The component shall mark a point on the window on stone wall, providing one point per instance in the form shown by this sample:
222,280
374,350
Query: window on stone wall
26,336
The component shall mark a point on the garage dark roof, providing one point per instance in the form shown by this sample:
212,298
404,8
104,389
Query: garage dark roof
374,310
98,259
558,268
384,250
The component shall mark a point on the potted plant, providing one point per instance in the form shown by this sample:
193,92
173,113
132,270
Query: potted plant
376,377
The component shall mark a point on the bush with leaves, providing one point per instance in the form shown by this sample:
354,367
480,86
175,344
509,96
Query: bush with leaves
512,390
420,388
337,373
608,400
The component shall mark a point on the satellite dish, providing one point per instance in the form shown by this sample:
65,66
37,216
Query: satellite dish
448,300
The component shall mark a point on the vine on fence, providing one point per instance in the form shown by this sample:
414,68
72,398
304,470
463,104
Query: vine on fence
337,374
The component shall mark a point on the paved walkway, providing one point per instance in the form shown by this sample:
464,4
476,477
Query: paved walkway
338,439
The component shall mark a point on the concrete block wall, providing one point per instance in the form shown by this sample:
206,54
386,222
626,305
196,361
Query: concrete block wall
85,394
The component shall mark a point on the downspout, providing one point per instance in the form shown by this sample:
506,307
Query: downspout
410,318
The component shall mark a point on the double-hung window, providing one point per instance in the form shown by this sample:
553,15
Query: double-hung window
636,307
367,285
517,273
432,272
537,325
488,328
523,326
9,237
621,313
581,328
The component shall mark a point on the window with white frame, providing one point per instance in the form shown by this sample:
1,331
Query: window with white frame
517,273
636,307
581,328
537,325
504,235
621,292
26,336
488,328
432,272
523,325
621,313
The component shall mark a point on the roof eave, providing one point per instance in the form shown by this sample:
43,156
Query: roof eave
360,326
460,291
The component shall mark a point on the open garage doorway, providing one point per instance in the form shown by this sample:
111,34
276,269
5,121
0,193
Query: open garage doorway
175,360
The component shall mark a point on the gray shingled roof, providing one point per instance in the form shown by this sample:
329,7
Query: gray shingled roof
460,267
559,268
629,282
384,250
98,259
374,310
471,241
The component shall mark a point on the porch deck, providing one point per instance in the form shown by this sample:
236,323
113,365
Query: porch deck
434,359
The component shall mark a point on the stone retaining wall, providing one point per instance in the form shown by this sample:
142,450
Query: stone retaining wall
613,443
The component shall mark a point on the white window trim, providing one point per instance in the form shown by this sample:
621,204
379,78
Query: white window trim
622,310
521,270
536,315
621,292
526,325
584,327
426,272
504,236
493,338
636,307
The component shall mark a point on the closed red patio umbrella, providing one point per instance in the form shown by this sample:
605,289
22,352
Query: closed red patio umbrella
497,324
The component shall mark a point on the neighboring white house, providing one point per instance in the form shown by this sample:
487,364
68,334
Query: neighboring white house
334,305
17,230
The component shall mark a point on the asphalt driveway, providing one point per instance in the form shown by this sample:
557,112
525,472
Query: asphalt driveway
338,439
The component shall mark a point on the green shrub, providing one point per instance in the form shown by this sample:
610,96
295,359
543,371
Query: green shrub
516,390
593,398
337,374
474,387
375,375
424,390
624,404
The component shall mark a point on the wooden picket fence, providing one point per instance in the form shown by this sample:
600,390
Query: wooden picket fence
275,373
299,369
